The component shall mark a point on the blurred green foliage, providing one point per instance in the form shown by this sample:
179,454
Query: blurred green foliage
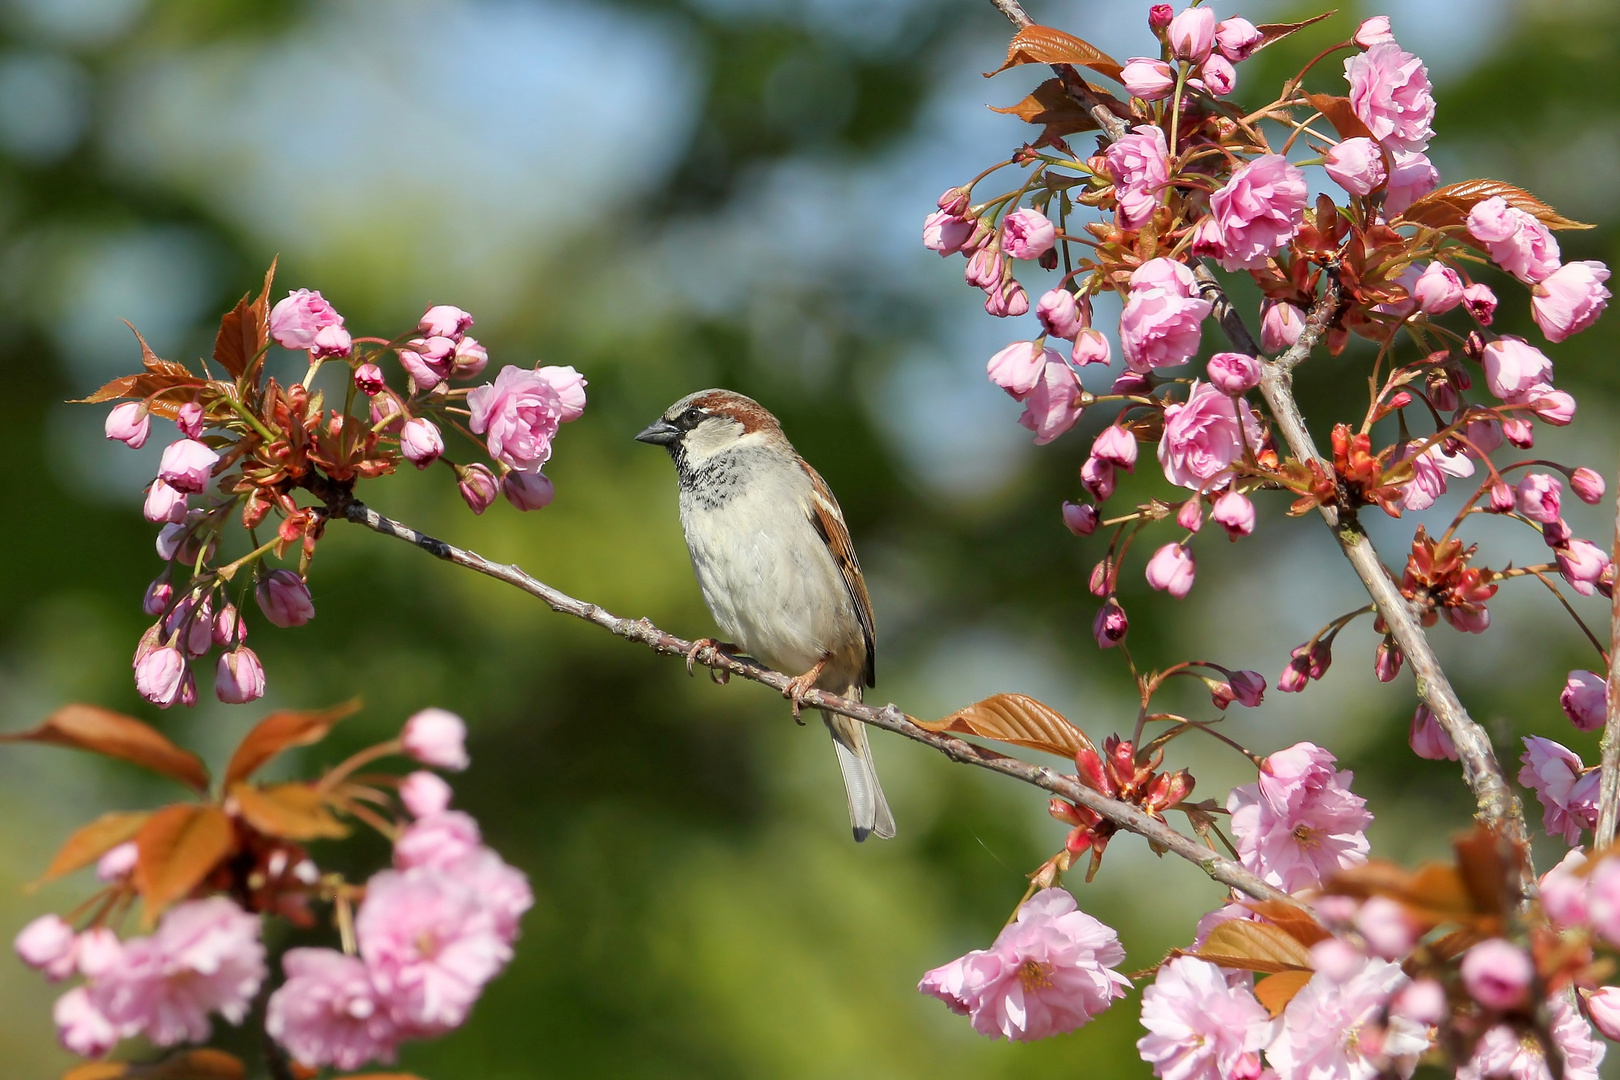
700,911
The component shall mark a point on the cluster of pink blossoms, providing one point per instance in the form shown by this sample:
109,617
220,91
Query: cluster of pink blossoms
249,444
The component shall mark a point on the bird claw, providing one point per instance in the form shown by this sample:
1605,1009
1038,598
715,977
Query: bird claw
800,685
719,676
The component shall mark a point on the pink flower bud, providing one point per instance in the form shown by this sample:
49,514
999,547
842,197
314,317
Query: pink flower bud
420,442
1081,518
1237,38
1133,383
158,595
1357,165
117,863
437,842
1539,497
1281,323
1191,515
1373,31
164,503
1098,477
527,491
368,379
478,487
193,623
284,598
228,627
1219,75
1551,406
1017,368
186,465
444,321
129,423
1171,570
189,419
1438,289
1585,700
1497,974
1423,1002
1480,302
436,737
1234,513
984,268
1296,676
1563,891
1248,688
1027,234
1519,433
1587,485
954,200
1517,241
945,232
1159,17
1603,1006
1387,661
1486,435
1336,959
1569,299
1384,924
331,341
1234,373
1192,34
1556,533
239,678
1110,625
297,319
1512,366
1582,563
46,945
1428,739
1090,347
470,359
1147,78
159,676
1058,313
424,794
1117,446
1010,300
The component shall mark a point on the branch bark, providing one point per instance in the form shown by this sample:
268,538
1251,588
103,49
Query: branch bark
889,718
1609,774
1074,84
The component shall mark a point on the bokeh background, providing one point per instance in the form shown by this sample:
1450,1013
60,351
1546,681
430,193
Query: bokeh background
673,194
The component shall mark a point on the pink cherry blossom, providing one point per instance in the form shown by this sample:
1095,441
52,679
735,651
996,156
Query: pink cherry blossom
443,320
1411,176
1192,34
1258,210
420,442
502,889
1480,302
430,946
1147,78
1139,165
1111,625
81,1027
424,794
1234,513
945,232
1603,1006
528,490
189,419
160,676
1512,365
1327,1028
368,379
1602,898
129,423
1503,1052
1386,927
1300,822
1498,974
436,842
1116,445
478,486
205,957
1587,484
1428,739
299,317
1569,299
428,361
1219,76
284,598
328,1012
1053,406
117,862
1390,93
436,737
1438,289
1237,38
1049,971
47,946
1281,323
1233,373
1172,570
1090,347
1080,518
1163,317
239,678
1373,31
1550,405
522,409
1199,1026
1563,891
1204,438
1582,563
1190,516
1027,234
1008,300
1059,314
164,503
1538,497
1017,368
186,465
1567,793
1357,165
1517,242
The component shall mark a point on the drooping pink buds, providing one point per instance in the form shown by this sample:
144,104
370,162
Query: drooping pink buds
284,598
436,737
1172,569
129,423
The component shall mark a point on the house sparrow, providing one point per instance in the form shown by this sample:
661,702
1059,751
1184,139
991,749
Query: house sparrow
775,563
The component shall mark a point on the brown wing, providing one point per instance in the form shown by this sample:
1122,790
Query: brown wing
829,522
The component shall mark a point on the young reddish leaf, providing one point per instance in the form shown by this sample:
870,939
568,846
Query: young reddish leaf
1274,32
1449,206
1254,946
1016,719
146,385
1291,920
92,841
233,345
98,1070
192,1065
289,811
87,727
280,731
154,363
1052,106
178,847
1340,115
1456,943
1044,45
1276,991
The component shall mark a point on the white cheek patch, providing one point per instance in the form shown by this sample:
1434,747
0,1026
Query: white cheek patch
713,436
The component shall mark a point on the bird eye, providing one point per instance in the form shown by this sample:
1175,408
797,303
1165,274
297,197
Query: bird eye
691,417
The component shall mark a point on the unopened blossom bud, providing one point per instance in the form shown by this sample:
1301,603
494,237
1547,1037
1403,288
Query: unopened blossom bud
420,442
1234,373
469,359
1090,347
1098,477
1569,299
436,737
527,491
1219,75
1248,688
1585,700
1373,31
1100,584
1498,974
1132,383
945,232
368,379
129,423
444,320
331,341
1110,625
1555,533
1551,405
186,464
1237,38
157,597
1563,891
1486,435
1587,484
1428,739
955,200
46,945
193,621
239,678
1295,677
164,503
1582,563
189,419
1080,518
228,627
424,794
1513,366
117,863
1422,1001
1603,1006
1191,515
1281,323
1160,16
984,268
1147,78
1388,930
1480,302
1387,660
1234,513
284,598
1192,34
1172,569
299,317
1009,300
159,675
1357,165
1058,313
1519,433
1026,233
1017,368
1538,495
1438,289
478,487
1117,446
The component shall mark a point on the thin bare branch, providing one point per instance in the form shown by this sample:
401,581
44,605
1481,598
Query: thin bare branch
889,718
1609,777
1074,84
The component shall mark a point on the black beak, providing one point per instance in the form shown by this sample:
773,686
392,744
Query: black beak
660,433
